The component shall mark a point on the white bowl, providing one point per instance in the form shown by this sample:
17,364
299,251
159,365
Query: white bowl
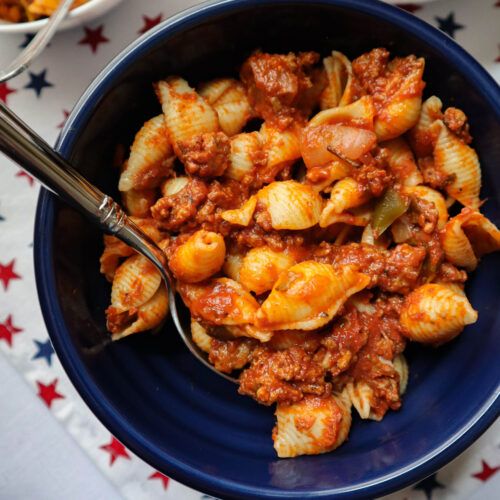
83,14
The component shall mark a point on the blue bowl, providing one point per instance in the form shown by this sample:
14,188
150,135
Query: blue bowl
148,390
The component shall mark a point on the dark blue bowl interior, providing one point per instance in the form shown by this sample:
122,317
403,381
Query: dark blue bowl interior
149,391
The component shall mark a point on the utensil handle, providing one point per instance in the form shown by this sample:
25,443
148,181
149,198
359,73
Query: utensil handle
39,42
33,154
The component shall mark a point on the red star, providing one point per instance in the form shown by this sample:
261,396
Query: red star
7,273
93,38
150,22
115,450
48,392
486,473
8,330
5,90
66,114
30,179
164,479
410,7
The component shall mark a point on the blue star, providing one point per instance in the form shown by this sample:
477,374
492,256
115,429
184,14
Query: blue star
448,24
428,485
27,40
45,351
38,82
28,37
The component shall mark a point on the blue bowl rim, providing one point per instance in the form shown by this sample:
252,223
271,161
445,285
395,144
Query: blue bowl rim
45,273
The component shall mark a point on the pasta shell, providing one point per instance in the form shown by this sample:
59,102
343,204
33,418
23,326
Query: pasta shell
221,301
308,295
421,137
246,154
401,366
291,205
432,196
455,159
151,157
361,397
346,194
402,162
229,99
360,113
41,8
232,266
282,148
186,113
201,256
313,425
468,236
249,331
436,313
135,282
149,315
261,267
339,89
200,336
241,216
173,185
138,203
397,117
115,249
320,178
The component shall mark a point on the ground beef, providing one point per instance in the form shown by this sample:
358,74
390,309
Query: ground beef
373,177
456,120
229,355
383,79
432,176
255,236
172,212
282,376
276,85
372,363
117,321
397,270
340,346
448,273
205,155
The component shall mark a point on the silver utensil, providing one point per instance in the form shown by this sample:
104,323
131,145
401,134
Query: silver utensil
32,153
39,42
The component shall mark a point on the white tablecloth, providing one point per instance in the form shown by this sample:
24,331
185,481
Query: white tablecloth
65,452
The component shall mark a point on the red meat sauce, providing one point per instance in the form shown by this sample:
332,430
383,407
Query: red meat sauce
283,88
384,79
361,342
360,346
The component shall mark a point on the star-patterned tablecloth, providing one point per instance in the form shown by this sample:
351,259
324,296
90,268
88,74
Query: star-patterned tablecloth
29,434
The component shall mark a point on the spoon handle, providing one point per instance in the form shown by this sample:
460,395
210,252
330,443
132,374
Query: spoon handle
33,154
39,42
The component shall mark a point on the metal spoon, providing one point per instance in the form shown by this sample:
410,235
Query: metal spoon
39,42
32,153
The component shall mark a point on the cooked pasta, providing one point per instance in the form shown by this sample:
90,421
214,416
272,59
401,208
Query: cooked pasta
229,99
317,215
150,159
18,11
435,313
201,256
312,426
